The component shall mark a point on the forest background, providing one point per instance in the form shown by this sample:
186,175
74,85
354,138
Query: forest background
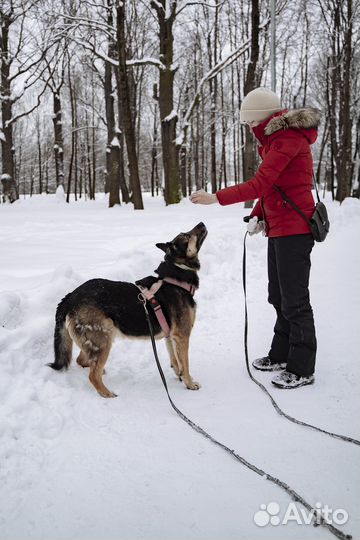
144,95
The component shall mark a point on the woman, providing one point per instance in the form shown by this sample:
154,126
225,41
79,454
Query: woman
284,146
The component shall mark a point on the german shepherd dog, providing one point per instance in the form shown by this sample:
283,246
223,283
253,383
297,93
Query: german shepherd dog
98,310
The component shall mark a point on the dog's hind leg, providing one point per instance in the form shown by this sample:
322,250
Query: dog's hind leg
173,359
83,360
93,333
96,371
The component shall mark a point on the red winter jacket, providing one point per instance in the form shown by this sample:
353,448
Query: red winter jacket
285,139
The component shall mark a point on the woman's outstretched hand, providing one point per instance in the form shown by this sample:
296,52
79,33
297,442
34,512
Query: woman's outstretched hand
202,197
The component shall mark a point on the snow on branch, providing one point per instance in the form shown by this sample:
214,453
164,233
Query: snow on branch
145,61
155,4
170,116
103,56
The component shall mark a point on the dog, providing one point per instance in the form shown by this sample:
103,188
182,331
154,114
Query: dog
99,310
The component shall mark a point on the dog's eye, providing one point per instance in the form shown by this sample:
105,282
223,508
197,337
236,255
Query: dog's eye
180,249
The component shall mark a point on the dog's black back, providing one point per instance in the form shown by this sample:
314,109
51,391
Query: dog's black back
98,309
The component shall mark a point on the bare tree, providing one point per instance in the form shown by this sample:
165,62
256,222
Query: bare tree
249,156
21,68
166,15
125,106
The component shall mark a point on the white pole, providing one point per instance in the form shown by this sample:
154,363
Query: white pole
272,47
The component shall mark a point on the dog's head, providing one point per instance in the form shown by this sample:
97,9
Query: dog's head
184,249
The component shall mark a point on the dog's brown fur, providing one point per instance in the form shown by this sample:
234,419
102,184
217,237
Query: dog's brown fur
99,310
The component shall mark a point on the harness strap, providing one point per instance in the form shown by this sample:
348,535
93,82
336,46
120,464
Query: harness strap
148,294
183,284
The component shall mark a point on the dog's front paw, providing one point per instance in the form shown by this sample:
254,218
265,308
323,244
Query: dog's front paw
107,394
192,385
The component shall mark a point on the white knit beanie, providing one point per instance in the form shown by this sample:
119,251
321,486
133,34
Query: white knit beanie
259,104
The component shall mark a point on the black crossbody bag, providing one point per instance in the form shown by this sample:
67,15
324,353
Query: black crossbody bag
319,222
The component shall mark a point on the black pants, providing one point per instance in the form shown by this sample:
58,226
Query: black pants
294,339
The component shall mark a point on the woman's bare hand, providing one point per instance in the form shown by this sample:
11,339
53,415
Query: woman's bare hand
202,197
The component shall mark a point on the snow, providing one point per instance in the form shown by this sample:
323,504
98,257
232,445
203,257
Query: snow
18,90
60,194
170,116
76,466
180,138
115,142
145,60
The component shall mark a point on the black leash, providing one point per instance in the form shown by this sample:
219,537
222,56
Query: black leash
275,405
319,520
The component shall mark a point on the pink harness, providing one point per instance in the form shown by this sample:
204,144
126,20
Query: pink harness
148,294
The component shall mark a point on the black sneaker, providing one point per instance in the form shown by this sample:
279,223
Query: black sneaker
290,380
265,364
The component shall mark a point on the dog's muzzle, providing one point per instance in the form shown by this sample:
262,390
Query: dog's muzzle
201,232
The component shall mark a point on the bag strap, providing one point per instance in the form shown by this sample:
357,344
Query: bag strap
316,188
295,206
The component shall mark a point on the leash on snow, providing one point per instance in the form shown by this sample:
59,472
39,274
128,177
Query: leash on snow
263,388
319,519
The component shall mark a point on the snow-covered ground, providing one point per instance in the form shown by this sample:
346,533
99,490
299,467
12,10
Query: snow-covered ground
76,466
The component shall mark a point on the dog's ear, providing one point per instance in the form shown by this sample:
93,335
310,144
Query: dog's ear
163,247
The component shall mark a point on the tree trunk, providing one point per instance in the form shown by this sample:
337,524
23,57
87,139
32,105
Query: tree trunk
234,112
9,189
39,154
73,128
93,138
213,87
223,135
168,116
112,182
345,124
113,155
250,82
184,150
125,105
154,149
59,141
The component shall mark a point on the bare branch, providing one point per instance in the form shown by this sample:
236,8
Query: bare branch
187,4
89,23
229,59
91,48
26,113
19,40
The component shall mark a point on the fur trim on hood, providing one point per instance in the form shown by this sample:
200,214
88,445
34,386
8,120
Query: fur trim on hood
306,118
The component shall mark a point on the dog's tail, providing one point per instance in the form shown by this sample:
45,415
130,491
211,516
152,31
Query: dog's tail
62,339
